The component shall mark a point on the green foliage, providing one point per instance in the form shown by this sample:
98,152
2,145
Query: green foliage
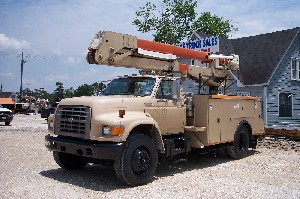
98,87
213,25
89,90
177,19
171,23
69,92
59,91
84,90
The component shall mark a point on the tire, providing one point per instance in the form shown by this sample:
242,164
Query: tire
239,148
222,152
7,123
69,161
138,161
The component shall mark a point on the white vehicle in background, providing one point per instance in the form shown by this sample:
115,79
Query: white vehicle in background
6,115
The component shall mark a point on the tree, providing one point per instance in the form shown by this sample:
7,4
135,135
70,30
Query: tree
59,91
172,22
84,90
177,19
98,87
213,25
69,92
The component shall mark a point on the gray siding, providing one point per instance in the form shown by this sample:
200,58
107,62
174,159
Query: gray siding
281,82
256,91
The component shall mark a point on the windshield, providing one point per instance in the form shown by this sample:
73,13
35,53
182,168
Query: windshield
138,86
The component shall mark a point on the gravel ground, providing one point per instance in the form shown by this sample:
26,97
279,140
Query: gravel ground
27,170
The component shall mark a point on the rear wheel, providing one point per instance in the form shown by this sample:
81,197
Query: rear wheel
69,161
138,161
7,123
222,152
239,148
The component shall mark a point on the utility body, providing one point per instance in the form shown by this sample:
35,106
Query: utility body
140,118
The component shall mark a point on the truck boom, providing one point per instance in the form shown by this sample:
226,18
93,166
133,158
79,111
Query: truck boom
110,48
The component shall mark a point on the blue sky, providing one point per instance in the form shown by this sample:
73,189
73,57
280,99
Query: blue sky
56,34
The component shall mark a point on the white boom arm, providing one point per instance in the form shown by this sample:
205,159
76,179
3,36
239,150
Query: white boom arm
122,50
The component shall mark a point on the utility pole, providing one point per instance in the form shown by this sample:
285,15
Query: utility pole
22,66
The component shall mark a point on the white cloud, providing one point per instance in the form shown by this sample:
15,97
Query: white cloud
57,51
56,77
72,60
91,72
10,43
6,74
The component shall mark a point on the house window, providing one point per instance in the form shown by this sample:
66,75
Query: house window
295,69
243,93
285,104
192,62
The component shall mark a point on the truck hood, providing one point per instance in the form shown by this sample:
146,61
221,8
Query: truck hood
110,102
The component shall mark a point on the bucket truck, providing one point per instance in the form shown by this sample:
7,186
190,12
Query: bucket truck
141,119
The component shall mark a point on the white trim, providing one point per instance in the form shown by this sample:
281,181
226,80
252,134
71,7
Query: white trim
283,57
297,68
265,105
156,54
238,82
194,33
253,85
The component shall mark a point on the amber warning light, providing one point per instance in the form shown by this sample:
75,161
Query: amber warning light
121,113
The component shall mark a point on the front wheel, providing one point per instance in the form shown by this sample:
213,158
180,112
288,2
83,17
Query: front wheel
7,123
239,148
69,161
138,161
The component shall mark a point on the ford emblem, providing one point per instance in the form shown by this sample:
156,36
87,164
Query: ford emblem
71,120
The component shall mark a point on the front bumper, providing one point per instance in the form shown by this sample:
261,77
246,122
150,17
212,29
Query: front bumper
102,151
6,118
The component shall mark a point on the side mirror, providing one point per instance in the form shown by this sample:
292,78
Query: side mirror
175,90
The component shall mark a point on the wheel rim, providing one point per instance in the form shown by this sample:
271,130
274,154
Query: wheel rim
140,160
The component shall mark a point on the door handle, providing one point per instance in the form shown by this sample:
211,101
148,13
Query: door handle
162,100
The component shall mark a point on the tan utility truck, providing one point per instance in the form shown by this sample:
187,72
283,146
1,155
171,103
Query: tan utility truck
139,119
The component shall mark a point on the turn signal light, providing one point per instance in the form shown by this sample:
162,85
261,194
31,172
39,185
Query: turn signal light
117,131
121,113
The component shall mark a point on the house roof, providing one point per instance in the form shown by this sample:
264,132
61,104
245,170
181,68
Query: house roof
259,55
6,94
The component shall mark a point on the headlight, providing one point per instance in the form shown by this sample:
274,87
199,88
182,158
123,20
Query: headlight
112,130
106,130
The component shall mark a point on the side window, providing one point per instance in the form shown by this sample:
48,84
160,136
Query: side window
295,69
165,90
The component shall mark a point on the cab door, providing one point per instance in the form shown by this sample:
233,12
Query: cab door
168,113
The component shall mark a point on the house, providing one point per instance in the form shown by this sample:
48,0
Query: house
7,100
7,95
270,69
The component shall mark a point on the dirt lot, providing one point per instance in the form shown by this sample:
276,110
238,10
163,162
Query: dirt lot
27,170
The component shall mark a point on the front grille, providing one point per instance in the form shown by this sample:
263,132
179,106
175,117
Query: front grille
72,119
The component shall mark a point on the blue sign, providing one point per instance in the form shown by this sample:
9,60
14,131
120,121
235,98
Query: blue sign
208,44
